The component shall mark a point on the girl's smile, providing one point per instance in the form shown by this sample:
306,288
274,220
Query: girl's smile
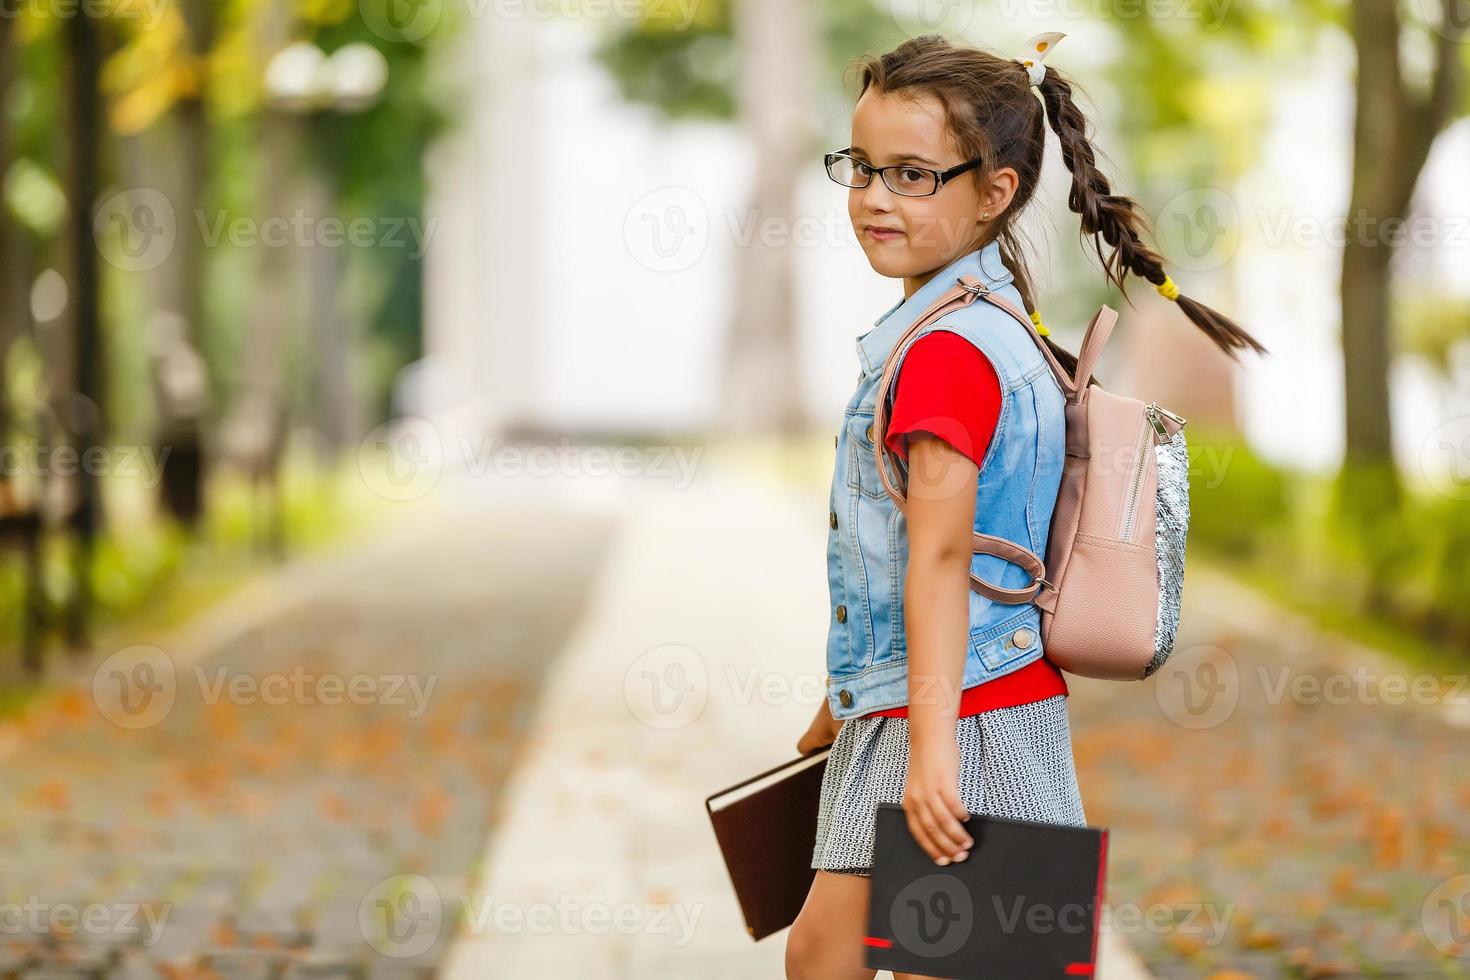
883,233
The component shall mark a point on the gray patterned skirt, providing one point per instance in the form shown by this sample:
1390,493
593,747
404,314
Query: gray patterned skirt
1014,762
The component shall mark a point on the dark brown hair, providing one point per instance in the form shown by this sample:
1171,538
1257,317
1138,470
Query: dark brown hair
994,116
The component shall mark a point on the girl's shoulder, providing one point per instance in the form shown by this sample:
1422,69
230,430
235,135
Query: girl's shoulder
1007,344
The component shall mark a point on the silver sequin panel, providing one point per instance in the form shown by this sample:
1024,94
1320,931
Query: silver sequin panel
1172,523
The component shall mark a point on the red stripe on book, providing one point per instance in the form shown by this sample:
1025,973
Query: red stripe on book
1102,867
1079,969
880,943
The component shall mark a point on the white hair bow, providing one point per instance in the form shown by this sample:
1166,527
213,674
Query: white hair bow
1035,53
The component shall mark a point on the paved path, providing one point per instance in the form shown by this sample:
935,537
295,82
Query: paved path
247,799
1277,811
1258,829
699,662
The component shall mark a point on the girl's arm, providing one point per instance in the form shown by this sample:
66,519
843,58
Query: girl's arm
940,517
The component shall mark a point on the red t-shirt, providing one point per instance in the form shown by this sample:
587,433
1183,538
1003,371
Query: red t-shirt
948,388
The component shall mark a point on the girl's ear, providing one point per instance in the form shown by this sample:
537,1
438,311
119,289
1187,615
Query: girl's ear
997,191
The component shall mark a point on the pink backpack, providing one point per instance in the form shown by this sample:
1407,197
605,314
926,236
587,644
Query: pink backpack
1110,586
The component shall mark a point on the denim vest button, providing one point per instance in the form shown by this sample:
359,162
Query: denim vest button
842,613
869,433
833,520
845,696
1023,638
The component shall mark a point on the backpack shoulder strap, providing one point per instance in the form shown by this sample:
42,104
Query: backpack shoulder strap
1093,341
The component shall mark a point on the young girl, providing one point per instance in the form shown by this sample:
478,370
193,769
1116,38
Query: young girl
940,698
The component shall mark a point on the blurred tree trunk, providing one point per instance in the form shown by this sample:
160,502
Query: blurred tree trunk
178,347
763,377
254,429
1393,133
11,287
86,416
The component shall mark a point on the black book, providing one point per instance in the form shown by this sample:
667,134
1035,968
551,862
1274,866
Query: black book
766,827
1024,905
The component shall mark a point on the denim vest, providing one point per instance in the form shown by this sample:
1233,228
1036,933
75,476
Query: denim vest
867,546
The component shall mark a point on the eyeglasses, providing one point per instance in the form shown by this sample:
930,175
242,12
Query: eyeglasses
901,178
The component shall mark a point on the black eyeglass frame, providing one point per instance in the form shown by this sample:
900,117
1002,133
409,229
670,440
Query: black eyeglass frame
941,177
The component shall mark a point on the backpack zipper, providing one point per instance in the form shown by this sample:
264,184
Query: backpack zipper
1155,414
1130,511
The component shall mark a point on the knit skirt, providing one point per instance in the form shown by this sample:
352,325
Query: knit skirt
1014,762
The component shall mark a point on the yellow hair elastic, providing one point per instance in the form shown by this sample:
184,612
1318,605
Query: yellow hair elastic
1040,327
1168,289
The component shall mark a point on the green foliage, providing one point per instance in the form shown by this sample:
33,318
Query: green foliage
1356,549
1431,325
1238,501
686,74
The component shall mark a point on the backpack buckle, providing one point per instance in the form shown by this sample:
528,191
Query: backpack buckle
975,290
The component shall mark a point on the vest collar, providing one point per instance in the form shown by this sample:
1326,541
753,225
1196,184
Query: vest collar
983,263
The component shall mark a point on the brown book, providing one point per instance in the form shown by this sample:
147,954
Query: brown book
767,830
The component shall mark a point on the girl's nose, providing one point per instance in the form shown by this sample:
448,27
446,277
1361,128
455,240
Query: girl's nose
876,196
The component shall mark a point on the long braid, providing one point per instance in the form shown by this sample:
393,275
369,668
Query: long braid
1116,220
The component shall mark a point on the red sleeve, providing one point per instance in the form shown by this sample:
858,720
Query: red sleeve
947,387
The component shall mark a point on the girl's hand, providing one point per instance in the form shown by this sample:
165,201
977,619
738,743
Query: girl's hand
931,801
821,733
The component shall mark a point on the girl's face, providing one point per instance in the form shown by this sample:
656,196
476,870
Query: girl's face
914,237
